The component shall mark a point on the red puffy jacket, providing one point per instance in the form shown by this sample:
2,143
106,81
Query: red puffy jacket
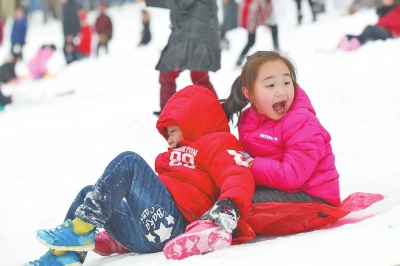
85,44
207,165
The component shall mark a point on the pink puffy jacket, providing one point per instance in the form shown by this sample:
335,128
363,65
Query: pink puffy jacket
293,154
37,66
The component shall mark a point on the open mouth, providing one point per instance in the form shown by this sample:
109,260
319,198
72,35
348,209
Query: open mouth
279,107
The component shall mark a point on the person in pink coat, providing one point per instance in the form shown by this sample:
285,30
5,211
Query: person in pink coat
38,65
286,146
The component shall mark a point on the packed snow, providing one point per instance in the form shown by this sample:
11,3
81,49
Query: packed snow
61,132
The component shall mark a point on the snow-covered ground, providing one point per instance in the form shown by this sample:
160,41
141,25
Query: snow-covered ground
51,146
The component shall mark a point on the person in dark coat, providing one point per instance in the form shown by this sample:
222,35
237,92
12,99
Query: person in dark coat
104,28
71,26
192,45
4,100
230,21
145,35
18,32
7,73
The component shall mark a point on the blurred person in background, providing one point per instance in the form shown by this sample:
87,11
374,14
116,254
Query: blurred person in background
193,44
145,35
254,13
84,45
358,4
314,6
18,32
104,28
1,29
37,66
71,28
7,74
388,26
230,21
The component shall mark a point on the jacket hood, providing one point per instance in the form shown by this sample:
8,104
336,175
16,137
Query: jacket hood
196,110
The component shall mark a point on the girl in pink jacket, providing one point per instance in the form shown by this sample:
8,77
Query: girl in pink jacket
287,148
38,65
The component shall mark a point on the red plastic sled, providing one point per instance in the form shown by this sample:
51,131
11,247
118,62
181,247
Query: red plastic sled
282,218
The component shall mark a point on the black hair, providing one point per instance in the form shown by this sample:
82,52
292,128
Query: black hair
49,46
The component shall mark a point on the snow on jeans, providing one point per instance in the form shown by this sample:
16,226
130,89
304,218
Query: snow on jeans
132,204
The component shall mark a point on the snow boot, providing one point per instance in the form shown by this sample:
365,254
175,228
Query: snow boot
200,237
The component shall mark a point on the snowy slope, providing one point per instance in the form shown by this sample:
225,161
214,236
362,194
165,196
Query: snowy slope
52,146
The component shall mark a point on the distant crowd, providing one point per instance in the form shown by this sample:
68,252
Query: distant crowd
194,44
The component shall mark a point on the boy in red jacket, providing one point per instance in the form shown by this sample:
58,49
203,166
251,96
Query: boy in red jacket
202,181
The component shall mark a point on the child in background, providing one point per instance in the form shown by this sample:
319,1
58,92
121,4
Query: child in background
203,181
85,35
287,148
145,36
19,29
104,28
71,53
388,26
37,66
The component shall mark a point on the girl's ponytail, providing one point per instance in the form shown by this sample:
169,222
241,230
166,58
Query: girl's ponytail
236,101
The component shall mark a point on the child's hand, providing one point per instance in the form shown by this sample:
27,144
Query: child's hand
248,158
224,213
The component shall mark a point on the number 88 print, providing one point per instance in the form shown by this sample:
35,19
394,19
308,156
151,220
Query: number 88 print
178,158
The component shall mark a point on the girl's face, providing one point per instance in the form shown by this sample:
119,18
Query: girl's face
174,136
273,92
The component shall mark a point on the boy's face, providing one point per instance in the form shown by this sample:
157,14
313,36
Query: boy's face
174,136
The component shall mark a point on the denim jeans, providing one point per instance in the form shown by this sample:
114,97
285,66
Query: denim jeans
132,204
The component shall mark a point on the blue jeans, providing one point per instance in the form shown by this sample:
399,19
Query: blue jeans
132,204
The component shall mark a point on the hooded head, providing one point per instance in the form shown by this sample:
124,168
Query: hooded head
83,15
196,110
